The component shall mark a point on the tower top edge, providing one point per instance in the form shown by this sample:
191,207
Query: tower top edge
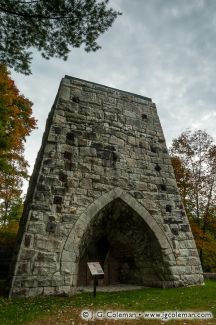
112,88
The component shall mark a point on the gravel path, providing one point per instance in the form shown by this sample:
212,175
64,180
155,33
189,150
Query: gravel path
110,288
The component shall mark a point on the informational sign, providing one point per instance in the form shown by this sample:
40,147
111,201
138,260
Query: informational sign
95,268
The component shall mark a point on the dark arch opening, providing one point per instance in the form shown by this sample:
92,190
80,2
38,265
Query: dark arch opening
126,247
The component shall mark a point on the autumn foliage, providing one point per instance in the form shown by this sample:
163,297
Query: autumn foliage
16,123
206,242
193,156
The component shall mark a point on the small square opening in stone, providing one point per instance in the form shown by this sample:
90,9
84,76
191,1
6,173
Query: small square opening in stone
57,130
153,149
63,177
57,200
163,187
70,136
168,208
76,99
157,168
51,227
68,155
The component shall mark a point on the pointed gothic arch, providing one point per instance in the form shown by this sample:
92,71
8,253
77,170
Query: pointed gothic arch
71,253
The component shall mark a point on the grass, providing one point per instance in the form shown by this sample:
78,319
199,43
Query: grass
24,310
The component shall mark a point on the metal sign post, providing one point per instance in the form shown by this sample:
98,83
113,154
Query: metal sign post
96,270
95,286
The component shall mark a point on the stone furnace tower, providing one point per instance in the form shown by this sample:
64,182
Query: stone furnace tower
103,189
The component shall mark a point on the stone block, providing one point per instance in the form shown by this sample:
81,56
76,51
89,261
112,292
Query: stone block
32,292
86,183
88,151
184,228
28,254
67,280
70,217
98,170
44,269
63,290
69,268
49,291
36,228
84,167
141,186
23,268
44,281
101,187
36,216
116,141
58,280
193,261
44,257
47,244
69,256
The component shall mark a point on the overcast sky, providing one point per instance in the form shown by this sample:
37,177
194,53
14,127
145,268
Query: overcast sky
163,49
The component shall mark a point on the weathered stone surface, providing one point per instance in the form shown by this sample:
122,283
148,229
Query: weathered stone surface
103,187
47,244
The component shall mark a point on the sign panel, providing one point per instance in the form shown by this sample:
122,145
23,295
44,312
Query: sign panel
95,268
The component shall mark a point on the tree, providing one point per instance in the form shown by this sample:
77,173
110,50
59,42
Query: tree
52,27
8,230
206,243
194,161
16,123
193,157
11,189
183,175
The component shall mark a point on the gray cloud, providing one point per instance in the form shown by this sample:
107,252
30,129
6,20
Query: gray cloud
164,49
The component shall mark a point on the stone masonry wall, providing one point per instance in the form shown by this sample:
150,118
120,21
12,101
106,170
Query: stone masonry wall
97,139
